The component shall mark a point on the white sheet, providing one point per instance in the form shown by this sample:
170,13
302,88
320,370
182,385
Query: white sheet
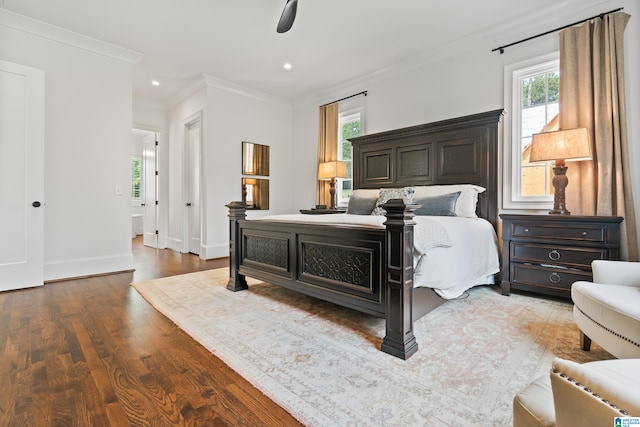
472,259
460,254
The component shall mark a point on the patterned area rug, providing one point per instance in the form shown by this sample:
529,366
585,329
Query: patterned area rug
322,362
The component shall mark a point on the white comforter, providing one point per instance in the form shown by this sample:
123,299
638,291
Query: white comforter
451,254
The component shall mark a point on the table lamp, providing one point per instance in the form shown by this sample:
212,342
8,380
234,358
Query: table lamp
329,171
562,145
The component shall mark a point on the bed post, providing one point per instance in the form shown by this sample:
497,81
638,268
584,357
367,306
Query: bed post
237,281
399,340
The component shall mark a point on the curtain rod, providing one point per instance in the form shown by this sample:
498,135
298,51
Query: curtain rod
502,48
364,92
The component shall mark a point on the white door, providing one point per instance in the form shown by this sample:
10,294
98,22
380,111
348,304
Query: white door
21,176
193,187
150,208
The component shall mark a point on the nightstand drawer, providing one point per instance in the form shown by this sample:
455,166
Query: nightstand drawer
584,233
549,277
559,255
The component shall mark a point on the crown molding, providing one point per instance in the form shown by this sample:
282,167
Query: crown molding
184,92
218,83
208,81
70,38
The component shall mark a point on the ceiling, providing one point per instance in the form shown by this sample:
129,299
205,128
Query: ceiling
331,43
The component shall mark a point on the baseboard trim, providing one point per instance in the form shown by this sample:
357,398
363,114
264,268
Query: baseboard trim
87,267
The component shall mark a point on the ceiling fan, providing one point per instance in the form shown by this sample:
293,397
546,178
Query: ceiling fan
288,15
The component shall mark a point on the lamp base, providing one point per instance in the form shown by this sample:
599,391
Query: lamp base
332,192
559,183
559,212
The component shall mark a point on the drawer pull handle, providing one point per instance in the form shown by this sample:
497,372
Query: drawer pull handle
584,233
526,230
554,255
554,278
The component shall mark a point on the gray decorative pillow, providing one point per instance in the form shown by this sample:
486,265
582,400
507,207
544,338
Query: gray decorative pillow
359,205
386,194
443,205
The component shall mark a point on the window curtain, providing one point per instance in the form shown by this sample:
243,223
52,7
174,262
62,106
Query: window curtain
592,96
327,147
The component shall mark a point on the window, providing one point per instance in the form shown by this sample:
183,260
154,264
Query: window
349,126
136,178
532,90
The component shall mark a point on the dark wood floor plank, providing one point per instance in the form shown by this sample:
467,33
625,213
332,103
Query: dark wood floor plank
93,352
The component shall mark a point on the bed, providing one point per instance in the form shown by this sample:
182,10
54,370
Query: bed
372,268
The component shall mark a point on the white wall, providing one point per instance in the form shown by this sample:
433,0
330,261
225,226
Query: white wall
230,115
463,78
87,145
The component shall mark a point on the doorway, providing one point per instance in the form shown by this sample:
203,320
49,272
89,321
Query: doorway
144,195
192,214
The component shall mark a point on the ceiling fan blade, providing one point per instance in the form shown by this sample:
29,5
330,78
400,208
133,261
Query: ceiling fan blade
288,15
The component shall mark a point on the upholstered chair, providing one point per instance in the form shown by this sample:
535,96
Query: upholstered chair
591,394
607,310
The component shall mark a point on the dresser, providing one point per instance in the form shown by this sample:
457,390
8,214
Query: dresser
547,253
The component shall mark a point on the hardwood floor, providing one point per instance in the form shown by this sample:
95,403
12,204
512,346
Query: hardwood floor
93,352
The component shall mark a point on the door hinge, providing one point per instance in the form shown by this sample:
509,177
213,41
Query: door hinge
156,173
156,143
156,231
156,203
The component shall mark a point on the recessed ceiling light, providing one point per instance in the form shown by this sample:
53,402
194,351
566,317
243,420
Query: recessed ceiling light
287,66
155,83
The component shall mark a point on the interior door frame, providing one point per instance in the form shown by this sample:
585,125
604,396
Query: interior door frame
193,119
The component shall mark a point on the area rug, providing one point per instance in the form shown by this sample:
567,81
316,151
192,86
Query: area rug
322,363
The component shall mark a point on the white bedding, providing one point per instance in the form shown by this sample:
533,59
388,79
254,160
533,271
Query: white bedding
472,259
452,254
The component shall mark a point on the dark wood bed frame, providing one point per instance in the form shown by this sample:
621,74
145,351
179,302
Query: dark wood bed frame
371,270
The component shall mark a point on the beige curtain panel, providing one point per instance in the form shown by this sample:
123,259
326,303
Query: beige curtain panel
327,147
592,96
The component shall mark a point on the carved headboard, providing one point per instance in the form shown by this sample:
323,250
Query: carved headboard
463,150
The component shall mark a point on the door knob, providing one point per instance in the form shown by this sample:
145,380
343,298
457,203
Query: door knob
36,204
188,204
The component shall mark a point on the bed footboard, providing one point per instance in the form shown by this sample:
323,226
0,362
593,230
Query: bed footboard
370,270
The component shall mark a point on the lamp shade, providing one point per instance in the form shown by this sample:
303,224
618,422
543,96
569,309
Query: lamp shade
332,169
570,145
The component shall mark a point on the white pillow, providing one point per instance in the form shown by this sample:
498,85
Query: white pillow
466,204
367,193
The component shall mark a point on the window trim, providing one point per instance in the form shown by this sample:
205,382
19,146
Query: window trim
512,159
345,116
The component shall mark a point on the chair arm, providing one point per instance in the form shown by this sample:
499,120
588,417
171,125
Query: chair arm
616,272
592,394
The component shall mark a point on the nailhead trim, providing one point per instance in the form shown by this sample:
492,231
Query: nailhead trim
588,390
609,330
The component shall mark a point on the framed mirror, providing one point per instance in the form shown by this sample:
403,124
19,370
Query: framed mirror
255,159
255,193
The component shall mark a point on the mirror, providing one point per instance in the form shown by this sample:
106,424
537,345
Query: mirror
255,193
255,159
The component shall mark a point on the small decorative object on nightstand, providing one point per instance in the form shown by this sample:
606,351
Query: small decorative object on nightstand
317,211
547,253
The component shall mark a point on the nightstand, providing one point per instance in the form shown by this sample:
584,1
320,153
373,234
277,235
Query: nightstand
547,253
322,211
